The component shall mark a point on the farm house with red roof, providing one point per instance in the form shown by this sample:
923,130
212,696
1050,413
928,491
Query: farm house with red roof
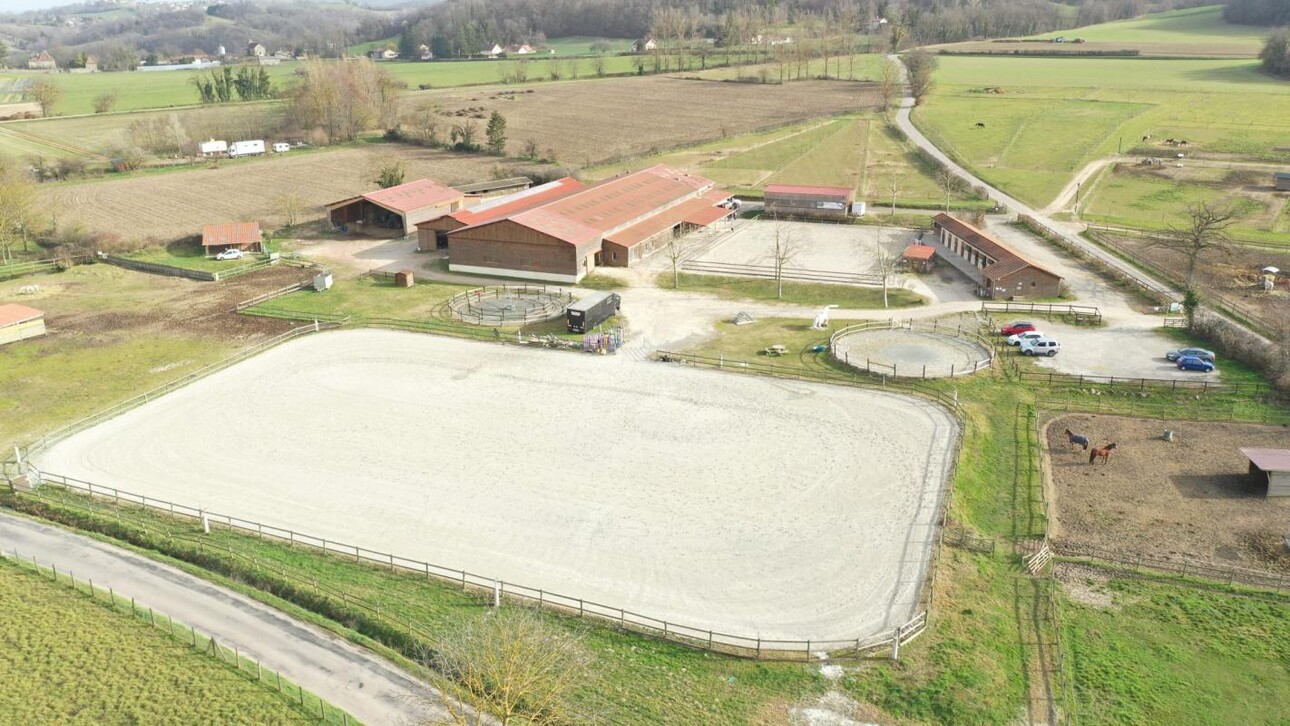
789,200
561,231
398,208
999,271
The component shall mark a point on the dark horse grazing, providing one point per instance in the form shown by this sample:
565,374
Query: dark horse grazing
1075,439
1104,453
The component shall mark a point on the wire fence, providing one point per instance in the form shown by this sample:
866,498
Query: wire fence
986,347
14,465
739,645
1191,410
1074,380
1076,313
509,304
786,273
1182,567
309,703
946,494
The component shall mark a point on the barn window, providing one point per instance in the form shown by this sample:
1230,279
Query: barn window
613,256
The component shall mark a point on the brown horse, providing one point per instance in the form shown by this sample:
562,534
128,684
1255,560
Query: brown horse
1103,453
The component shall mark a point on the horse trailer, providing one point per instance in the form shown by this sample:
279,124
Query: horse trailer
591,311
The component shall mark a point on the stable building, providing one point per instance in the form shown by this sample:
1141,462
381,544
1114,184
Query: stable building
1273,465
999,271
433,234
243,236
560,233
398,208
19,322
788,200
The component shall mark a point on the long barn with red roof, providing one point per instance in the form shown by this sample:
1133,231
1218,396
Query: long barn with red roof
560,232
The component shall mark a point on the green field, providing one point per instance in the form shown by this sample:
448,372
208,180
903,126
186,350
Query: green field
862,152
70,661
1054,115
1140,199
135,91
1192,26
1158,654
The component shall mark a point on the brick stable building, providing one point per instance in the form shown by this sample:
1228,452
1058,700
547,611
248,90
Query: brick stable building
999,271
561,231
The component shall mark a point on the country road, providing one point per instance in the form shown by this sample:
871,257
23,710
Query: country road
907,127
345,675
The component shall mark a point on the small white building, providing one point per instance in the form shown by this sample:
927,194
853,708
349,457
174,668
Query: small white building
213,148
19,322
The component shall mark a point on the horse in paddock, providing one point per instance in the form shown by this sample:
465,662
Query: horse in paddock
1075,439
980,125
1103,453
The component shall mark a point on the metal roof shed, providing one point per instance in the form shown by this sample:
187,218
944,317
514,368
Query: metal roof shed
19,322
1275,464
398,208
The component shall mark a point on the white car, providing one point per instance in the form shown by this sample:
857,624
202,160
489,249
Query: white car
1028,335
231,253
1040,346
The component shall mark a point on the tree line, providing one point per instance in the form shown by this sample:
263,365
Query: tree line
221,84
1272,13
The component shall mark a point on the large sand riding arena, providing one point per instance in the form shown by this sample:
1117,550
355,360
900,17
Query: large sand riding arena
753,507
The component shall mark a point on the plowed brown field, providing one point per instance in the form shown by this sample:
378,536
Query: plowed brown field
584,122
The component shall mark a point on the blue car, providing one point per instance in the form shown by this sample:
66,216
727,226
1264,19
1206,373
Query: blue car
1194,363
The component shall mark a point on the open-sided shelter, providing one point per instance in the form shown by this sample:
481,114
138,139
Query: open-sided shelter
243,236
791,200
397,208
1273,464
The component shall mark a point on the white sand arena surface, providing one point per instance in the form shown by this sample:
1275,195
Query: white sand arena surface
753,507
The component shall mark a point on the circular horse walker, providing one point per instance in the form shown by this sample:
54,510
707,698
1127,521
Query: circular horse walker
498,305
912,349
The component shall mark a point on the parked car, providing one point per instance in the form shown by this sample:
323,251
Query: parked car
1194,363
1040,346
231,253
1173,355
1019,326
1016,339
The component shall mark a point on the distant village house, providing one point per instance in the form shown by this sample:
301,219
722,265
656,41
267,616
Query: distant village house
383,54
256,50
42,61
645,45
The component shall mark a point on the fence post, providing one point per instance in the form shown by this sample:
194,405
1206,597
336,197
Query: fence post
497,593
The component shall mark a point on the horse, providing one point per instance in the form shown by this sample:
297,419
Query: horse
980,125
1075,439
1104,453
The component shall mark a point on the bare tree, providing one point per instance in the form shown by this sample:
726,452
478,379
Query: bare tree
17,209
784,249
44,92
893,185
598,64
949,183
1203,234
291,205
105,102
512,666
921,66
676,248
887,262
889,84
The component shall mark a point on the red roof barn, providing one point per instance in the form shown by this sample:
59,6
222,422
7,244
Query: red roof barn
398,208
244,236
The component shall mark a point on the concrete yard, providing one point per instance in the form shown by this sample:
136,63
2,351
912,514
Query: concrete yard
762,508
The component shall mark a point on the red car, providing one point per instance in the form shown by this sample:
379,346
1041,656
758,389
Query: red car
1020,326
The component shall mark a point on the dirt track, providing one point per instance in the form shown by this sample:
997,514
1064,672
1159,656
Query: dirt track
750,507
1187,499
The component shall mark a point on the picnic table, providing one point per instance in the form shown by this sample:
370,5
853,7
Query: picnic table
776,350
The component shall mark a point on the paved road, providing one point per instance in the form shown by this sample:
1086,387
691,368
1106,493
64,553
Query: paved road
344,674
1016,205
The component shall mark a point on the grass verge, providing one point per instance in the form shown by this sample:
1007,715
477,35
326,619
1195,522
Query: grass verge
93,664
795,293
